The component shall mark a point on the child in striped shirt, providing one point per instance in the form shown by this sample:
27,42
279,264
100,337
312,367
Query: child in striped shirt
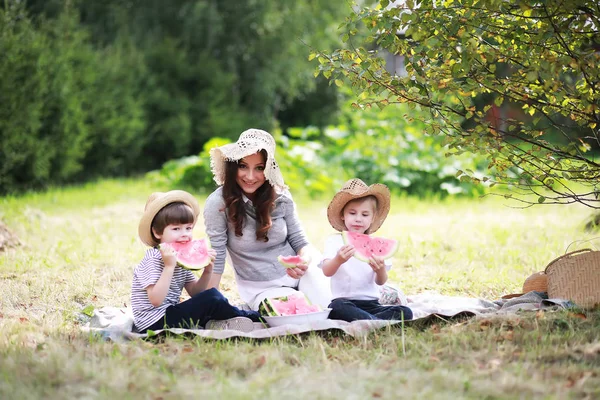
158,281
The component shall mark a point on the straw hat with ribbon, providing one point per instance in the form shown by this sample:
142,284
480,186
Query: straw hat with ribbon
537,282
250,142
355,189
155,203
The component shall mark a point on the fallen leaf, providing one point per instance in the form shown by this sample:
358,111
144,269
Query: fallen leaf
577,315
260,361
494,363
485,324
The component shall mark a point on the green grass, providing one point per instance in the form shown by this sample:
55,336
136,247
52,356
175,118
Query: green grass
80,246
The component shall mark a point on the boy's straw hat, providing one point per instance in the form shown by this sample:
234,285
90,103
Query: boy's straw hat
250,142
354,189
158,200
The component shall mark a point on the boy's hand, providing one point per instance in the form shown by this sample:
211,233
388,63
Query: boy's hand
212,253
169,255
345,252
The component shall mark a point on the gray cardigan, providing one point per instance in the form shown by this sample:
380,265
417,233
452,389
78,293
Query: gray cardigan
254,260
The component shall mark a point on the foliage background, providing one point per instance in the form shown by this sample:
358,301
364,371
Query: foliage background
110,88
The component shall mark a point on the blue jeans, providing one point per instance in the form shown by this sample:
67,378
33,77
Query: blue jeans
352,310
200,309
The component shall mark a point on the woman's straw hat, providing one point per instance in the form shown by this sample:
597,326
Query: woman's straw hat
250,142
158,200
354,189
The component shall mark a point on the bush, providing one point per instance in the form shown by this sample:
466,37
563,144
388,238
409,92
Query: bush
43,133
375,146
391,147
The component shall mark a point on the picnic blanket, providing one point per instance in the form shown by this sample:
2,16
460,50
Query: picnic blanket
116,323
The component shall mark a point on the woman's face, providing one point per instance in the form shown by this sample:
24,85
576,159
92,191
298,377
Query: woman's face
251,174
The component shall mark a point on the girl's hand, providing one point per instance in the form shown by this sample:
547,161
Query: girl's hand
377,264
345,252
169,255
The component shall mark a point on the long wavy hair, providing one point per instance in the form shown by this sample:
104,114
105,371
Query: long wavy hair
264,202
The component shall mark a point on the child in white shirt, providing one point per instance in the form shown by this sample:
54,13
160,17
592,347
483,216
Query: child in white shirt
354,283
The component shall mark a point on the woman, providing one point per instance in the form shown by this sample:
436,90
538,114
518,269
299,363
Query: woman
253,217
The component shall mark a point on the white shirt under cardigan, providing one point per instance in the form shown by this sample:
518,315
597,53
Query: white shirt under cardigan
354,279
254,262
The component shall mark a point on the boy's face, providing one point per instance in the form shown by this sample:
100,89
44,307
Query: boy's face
358,215
180,233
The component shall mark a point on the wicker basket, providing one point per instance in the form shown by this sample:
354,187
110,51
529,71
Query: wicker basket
575,276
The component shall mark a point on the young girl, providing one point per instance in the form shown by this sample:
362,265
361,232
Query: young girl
252,217
158,281
354,283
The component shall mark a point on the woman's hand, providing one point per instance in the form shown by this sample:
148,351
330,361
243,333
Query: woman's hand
298,271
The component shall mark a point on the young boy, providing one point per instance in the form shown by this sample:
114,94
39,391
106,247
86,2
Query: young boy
158,281
354,283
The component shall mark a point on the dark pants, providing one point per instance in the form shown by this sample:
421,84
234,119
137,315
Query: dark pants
352,310
198,310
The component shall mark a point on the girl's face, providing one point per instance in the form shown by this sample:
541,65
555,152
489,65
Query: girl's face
251,174
358,215
180,233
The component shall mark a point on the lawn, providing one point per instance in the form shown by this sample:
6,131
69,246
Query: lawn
80,245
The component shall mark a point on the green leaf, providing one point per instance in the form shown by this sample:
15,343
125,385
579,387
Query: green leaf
532,76
88,310
541,199
339,83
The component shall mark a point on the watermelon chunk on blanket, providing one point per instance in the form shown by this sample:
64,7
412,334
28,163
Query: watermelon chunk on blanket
366,245
292,304
193,254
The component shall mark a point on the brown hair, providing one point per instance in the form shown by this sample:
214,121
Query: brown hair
264,201
173,213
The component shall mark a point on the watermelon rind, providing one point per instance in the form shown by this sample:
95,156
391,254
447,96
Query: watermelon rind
285,260
346,236
265,309
198,264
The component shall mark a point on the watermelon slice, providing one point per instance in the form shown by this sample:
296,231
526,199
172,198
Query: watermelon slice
366,246
293,304
292,261
193,254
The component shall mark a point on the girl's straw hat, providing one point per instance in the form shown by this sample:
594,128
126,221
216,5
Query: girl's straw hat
155,203
250,142
354,189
